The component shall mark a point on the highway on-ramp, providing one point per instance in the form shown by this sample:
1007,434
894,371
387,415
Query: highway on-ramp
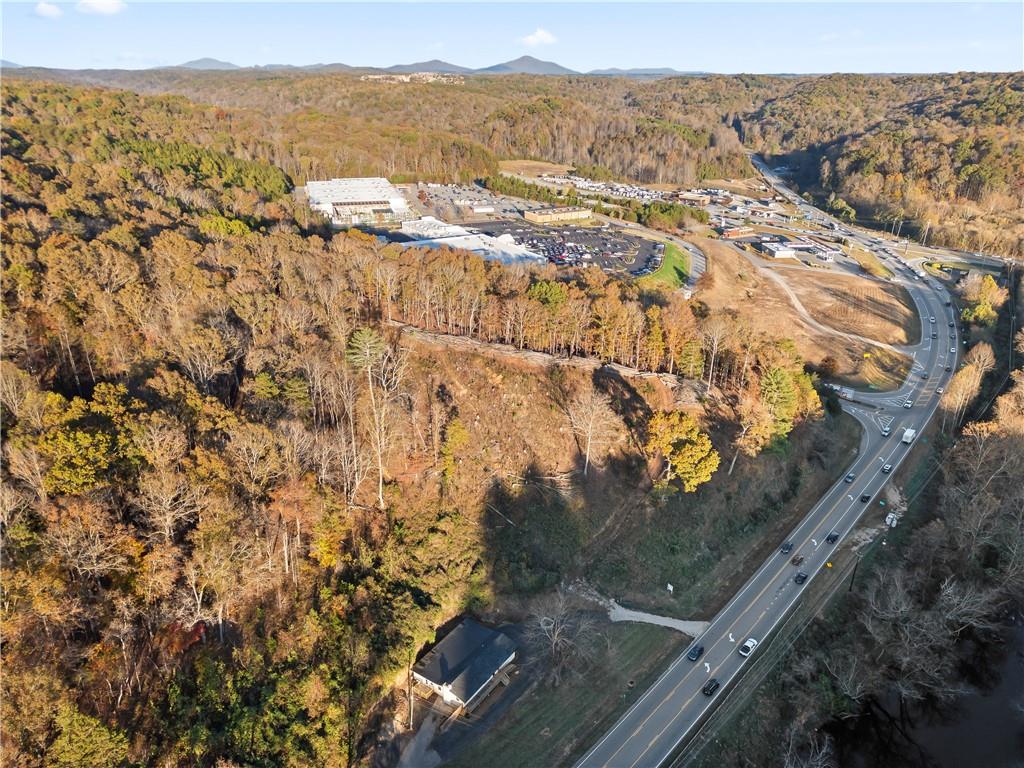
656,727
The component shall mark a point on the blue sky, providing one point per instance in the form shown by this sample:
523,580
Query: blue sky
720,37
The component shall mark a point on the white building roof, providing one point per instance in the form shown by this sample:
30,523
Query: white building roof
429,228
354,190
483,245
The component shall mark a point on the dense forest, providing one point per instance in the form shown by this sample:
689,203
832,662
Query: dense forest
236,501
940,153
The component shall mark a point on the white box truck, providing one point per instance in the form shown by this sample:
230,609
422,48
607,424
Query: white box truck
909,435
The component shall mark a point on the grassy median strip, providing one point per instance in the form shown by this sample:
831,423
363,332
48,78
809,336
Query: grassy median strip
674,269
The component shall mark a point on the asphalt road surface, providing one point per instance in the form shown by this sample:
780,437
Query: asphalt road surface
657,726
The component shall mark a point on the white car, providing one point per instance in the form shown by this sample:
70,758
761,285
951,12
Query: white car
933,321
940,390
908,403
952,350
748,647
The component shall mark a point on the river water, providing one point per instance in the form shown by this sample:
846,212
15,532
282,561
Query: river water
983,729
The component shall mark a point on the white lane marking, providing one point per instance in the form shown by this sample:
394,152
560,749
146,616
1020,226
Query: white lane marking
707,667
731,638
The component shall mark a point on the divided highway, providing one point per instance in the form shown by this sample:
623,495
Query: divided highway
655,728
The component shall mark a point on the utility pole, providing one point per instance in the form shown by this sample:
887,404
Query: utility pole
899,230
927,226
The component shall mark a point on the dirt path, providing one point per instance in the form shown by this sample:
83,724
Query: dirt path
805,316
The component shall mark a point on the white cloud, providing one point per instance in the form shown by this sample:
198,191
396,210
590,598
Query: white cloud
539,37
49,10
828,37
102,7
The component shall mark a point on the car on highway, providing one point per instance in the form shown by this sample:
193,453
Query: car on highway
849,478
800,578
924,375
787,548
908,403
710,687
935,335
952,350
797,560
886,469
949,367
952,324
865,498
949,303
695,653
833,537
932,320
886,431
939,391
748,647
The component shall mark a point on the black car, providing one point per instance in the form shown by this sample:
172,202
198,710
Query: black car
787,548
833,537
949,367
797,559
695,653
865,498
800,578
952,324
710,687
935,335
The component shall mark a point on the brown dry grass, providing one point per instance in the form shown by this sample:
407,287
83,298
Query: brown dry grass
761,306
879,311
532,168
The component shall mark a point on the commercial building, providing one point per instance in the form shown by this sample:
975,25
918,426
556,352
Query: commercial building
349,202
734,233
557,215
777,250
695,198
429,232
467,664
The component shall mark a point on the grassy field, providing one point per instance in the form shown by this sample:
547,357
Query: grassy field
877,369
532,168
553,726
870,263
675,266
881,311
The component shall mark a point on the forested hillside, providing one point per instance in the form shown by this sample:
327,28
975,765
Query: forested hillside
943,154
940,152
236,502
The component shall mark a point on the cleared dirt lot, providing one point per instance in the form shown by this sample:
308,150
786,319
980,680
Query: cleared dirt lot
879,311
532,168
758,304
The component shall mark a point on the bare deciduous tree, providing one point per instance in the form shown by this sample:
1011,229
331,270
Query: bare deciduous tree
593,423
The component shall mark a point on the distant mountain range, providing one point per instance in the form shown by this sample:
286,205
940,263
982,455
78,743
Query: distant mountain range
208,63
524,65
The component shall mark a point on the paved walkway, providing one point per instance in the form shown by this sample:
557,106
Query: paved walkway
692,628
617,613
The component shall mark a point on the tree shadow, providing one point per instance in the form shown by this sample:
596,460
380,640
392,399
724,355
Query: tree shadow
532,536
627,403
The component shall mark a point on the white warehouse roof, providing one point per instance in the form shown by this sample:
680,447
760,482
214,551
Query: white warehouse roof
483,245
354,190
429,228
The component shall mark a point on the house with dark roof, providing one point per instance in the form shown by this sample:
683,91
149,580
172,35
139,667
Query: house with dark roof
466,664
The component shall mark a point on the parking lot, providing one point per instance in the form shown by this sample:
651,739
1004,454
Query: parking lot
463,202
570,245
